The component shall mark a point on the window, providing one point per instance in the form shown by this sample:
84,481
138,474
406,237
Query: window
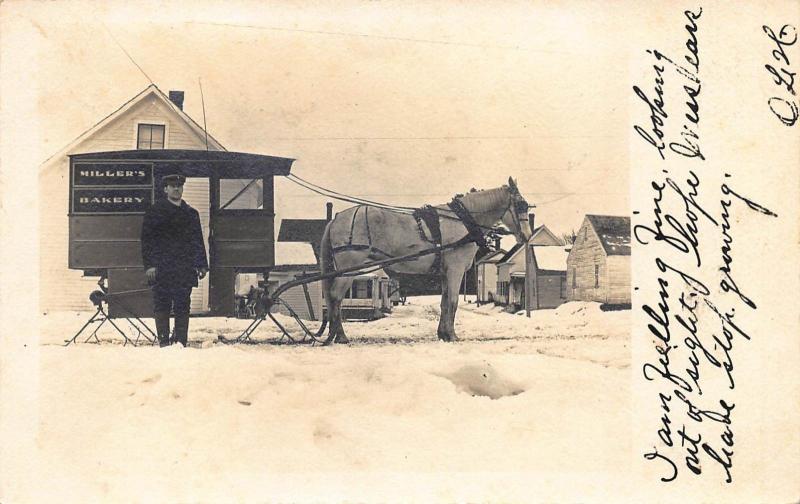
563,287
585,233
362,289
150,136
596,275
241,194
574,274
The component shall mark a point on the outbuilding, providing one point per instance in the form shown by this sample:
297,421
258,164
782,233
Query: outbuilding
599,264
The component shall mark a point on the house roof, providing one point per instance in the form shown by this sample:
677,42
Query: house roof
508,255
297,254
550,257
152,89
492,257
614,233
302,230
543,233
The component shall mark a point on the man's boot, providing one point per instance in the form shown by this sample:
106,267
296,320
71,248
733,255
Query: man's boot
182,329
162,328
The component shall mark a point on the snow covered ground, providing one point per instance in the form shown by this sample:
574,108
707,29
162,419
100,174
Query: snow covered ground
520,408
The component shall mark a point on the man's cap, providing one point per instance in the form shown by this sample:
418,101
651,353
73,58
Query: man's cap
174,180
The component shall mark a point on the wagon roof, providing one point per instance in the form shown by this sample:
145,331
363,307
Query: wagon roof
614,232
198,163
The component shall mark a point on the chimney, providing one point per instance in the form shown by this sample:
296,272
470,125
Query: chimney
497,243
531,219
328,211
176,97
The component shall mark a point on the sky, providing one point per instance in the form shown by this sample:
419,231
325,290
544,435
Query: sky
402,103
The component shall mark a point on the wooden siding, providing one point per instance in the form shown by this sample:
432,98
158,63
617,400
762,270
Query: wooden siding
585,254
503,277
487,282
296,298
548,289
195,193
60,287
619,279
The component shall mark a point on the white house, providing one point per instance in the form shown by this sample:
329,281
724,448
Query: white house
486,276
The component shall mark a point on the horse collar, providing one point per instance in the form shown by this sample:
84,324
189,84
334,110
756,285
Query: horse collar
474,230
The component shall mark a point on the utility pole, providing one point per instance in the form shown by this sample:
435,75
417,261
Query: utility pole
529,270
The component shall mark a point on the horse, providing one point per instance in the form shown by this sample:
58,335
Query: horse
364,234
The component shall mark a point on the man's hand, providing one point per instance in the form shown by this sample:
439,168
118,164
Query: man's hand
151,275
201,273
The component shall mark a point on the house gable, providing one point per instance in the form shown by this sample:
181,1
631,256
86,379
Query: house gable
118,130
543,236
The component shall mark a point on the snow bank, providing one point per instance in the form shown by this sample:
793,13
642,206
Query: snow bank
265,422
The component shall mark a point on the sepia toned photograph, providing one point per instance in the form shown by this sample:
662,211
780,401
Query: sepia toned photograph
399,252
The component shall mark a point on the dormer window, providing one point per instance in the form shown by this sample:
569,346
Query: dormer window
150,136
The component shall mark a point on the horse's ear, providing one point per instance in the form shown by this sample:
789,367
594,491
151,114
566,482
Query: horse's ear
511,183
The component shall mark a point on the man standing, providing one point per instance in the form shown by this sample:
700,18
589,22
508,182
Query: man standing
174,258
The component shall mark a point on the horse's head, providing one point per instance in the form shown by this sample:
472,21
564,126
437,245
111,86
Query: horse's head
516,216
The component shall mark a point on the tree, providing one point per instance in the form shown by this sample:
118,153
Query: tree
569,238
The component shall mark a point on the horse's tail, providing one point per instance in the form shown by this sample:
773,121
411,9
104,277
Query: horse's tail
326,265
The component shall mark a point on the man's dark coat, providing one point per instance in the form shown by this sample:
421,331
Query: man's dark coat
172,242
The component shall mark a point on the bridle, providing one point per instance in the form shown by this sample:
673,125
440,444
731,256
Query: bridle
518,206
483,235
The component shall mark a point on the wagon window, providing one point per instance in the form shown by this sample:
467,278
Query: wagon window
362,289
241,194
150,136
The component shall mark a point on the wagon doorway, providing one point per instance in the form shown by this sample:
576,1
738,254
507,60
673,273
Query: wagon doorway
241,234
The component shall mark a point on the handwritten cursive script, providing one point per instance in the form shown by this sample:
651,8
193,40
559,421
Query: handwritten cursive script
691,234
687,140
784,107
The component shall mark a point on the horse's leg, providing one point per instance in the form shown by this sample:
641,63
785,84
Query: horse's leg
451,282
444,310
334,294
453,267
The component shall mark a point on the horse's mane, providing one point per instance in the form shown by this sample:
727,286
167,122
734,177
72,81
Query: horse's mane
486,199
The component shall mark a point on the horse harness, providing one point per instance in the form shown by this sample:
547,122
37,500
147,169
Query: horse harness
373,251
430,216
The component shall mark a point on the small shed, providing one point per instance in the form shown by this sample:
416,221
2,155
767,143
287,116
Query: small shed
599,264
548,274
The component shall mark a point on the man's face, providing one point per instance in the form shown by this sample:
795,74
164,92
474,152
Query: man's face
174,192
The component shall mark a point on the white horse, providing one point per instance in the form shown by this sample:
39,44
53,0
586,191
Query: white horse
363,234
